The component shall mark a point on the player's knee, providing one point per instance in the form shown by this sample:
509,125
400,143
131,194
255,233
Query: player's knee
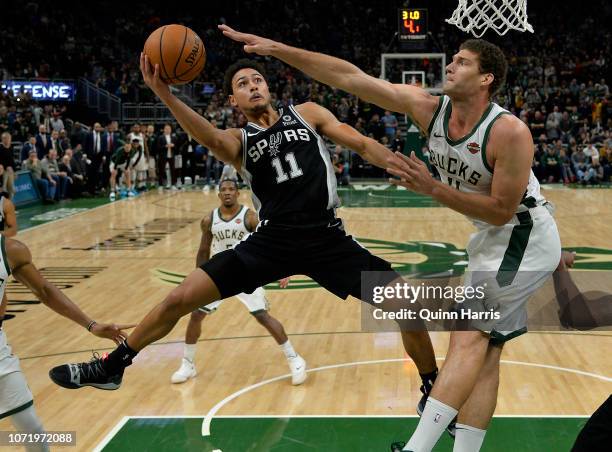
468,341
174,302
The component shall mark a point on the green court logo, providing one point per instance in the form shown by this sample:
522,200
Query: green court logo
421,260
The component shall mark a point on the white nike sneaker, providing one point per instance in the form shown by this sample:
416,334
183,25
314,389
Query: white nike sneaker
298,370
112,196
185,372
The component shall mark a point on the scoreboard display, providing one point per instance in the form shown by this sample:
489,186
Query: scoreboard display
412,24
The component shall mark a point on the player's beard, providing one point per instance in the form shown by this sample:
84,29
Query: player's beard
259,109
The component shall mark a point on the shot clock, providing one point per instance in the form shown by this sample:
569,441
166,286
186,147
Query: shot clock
412,24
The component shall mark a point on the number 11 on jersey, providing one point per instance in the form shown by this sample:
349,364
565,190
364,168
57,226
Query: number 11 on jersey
281,176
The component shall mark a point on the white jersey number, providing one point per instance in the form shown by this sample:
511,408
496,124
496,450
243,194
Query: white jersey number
281,176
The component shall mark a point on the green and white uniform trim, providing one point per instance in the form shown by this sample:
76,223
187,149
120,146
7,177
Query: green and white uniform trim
513,260
226,235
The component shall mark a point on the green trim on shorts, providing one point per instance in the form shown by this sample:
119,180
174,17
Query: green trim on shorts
259,311
4,259
516,250
17,410
497,338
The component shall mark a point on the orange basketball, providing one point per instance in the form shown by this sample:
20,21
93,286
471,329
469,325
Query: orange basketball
178,51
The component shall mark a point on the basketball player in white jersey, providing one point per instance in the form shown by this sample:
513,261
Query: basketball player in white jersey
223,229
140,162
16,399
8,217
484,157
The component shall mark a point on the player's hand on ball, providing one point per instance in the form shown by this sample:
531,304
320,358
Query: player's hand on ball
412,172
151,77
111,331
253,43
283,283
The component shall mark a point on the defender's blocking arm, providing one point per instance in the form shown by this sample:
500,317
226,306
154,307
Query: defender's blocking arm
414,101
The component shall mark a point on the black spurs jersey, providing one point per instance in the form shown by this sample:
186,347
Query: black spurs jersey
289,170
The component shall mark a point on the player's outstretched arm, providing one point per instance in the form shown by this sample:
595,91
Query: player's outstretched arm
340,133
226,144
512,153
414,101
24,271
205,241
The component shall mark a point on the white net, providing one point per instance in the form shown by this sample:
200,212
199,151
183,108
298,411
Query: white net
477,16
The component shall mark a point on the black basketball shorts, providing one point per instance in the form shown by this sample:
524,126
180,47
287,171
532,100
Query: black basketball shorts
325,253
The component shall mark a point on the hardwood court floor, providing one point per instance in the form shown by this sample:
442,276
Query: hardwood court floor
108,259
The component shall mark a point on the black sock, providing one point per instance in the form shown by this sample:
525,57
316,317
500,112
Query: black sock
429,380
119,358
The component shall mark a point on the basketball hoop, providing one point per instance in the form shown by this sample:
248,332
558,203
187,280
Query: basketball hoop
477,16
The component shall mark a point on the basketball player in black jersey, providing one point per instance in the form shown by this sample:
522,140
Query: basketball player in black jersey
282,156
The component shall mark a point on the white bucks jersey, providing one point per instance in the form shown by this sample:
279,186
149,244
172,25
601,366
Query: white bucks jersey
228,233
462,163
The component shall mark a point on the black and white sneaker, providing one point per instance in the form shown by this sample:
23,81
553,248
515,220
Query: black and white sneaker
421,407
78,375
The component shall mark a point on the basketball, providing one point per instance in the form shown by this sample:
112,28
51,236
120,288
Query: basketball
178,50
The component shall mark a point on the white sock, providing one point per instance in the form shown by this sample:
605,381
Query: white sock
288,350
468,438
189,352
434,420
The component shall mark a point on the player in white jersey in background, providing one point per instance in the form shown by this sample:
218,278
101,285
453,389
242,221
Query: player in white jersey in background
223,229
16,400
484,158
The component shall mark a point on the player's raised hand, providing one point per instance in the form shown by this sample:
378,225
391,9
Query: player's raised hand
151,77
252,43
111,331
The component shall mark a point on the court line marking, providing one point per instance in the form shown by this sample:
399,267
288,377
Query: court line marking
110,435
125,419
31,228
211,413
339,416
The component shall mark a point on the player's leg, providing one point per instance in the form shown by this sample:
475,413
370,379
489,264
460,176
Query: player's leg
476,413
454,383
129,180
16,399
197,289
26,421
192,334
582,311
257,265
258,307
113,182
338,263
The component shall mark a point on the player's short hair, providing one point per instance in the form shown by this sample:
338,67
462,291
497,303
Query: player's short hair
492,61
229,179
244,63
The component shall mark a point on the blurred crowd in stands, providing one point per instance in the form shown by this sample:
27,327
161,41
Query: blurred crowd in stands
558,84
